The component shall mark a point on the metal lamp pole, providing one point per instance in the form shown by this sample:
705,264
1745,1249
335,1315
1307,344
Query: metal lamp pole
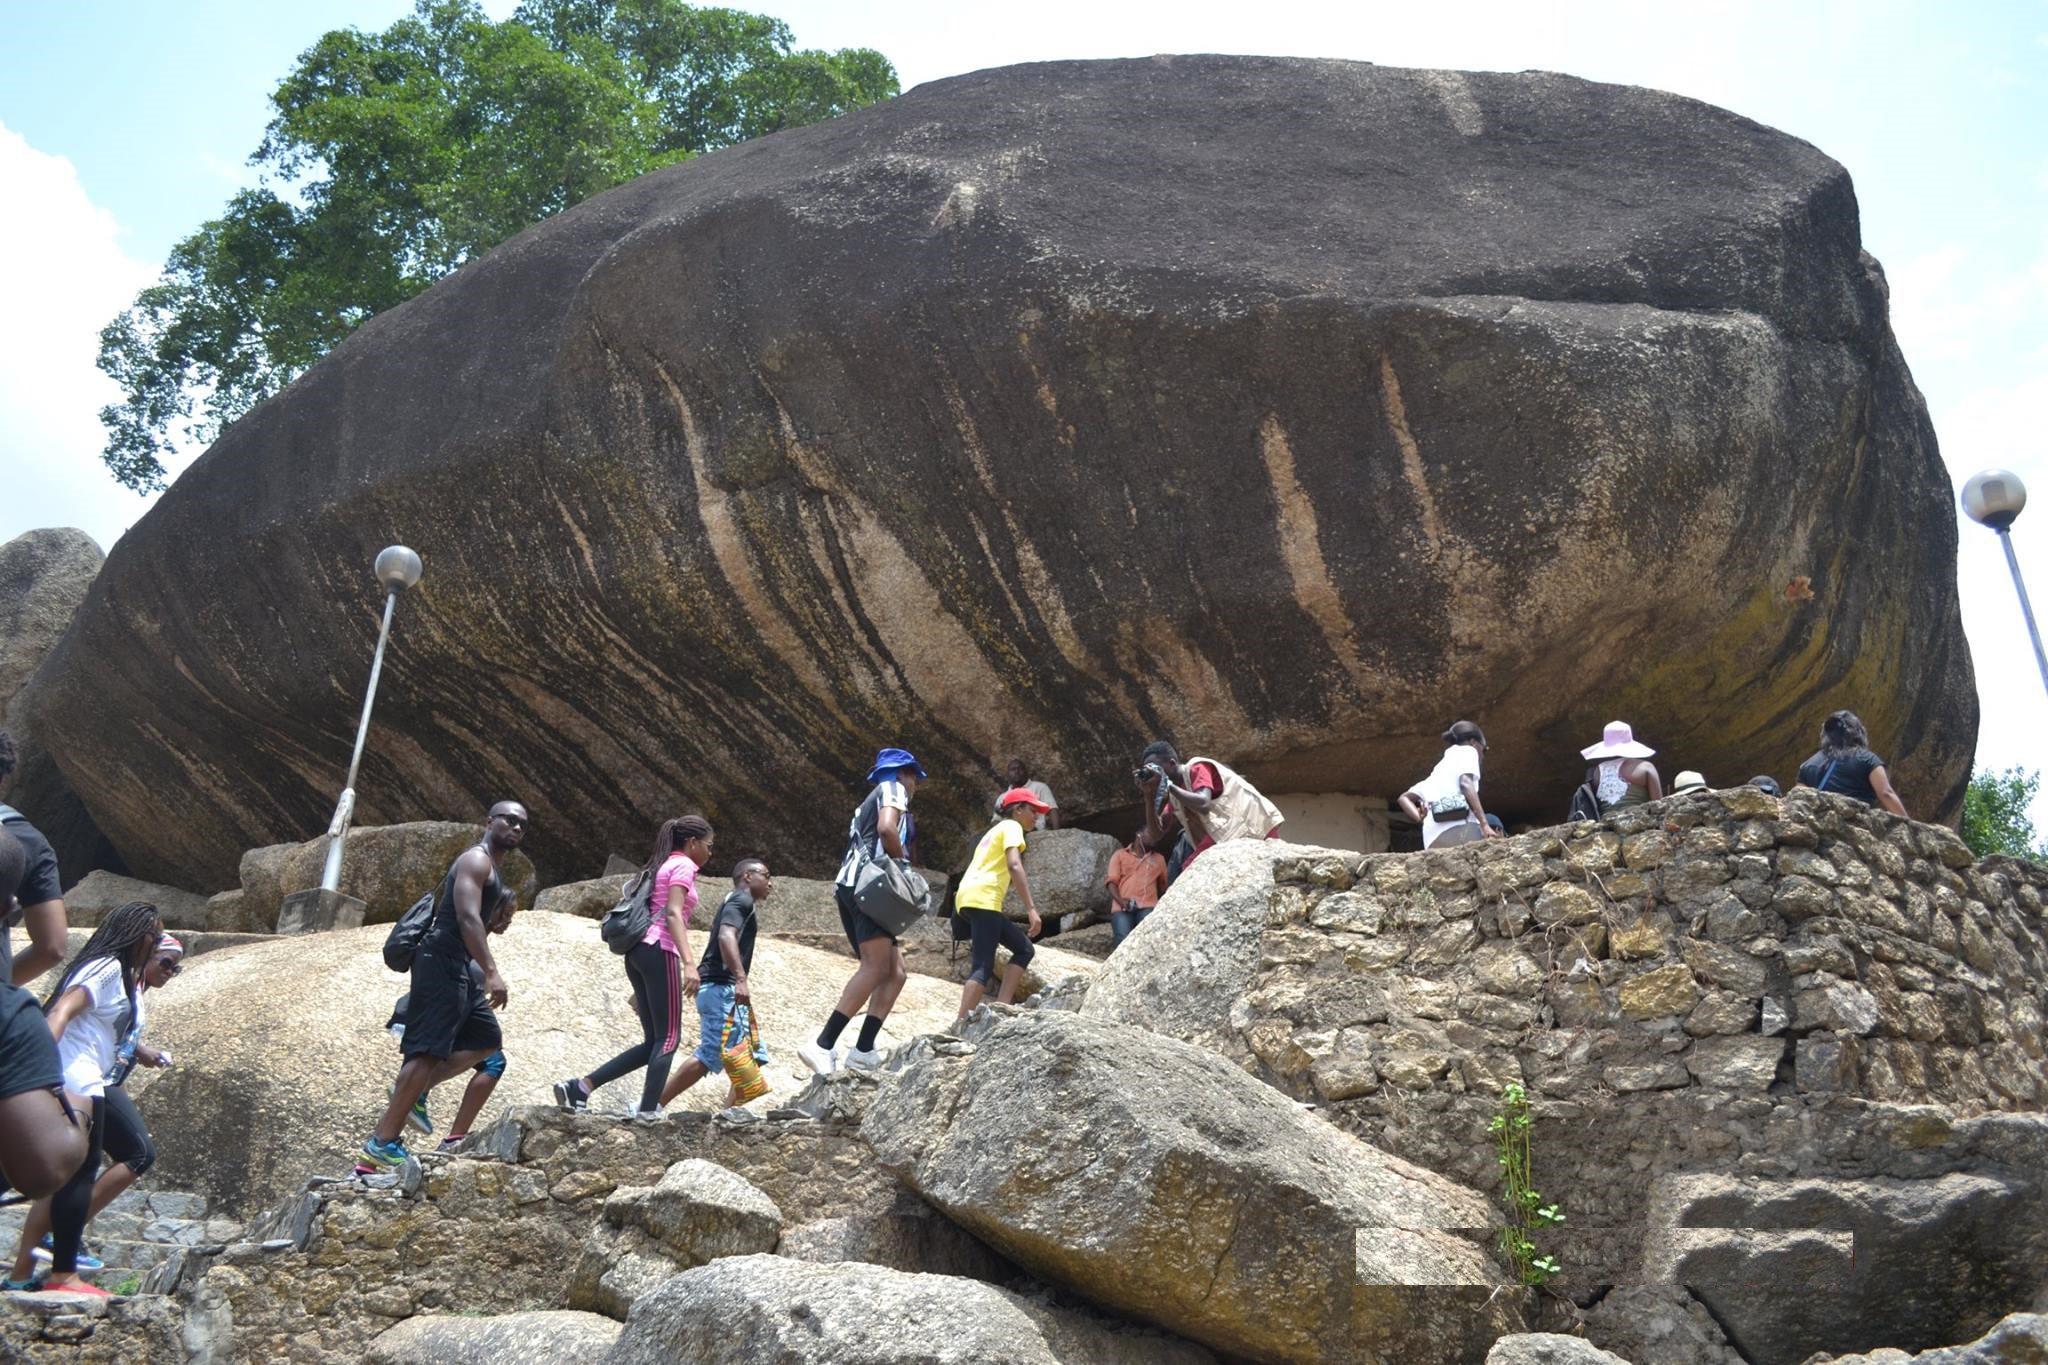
1995,498
398,568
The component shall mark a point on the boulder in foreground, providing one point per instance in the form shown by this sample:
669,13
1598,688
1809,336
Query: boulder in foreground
1161,1181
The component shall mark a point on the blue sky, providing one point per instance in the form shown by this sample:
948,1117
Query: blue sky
123,125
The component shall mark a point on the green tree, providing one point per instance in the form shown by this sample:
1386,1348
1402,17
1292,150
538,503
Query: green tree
392,158
1995,818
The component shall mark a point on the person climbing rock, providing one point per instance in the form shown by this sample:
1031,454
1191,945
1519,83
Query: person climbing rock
445,1033
1846,766
725,999
1446,803
487,1073
1622,775
659,967
41,1140
88,1012
876,831
1136,879
998,859
1206,798
1019,775
127,1148
40,896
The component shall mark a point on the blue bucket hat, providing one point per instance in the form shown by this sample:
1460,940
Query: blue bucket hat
890,759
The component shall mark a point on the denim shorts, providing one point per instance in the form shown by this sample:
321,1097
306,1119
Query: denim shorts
713,1000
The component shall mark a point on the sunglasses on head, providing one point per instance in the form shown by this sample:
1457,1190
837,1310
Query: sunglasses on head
171,965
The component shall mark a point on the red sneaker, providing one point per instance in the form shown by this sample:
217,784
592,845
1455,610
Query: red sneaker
92,1291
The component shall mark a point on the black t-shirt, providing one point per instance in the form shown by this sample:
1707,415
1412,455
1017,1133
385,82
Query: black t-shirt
444,939
736,910
1845,774
40,883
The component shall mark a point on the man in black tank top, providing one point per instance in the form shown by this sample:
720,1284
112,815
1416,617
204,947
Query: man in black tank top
445,1031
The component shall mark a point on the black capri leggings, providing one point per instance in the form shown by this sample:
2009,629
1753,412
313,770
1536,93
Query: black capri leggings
69,1205
991,929
657,978
127,1141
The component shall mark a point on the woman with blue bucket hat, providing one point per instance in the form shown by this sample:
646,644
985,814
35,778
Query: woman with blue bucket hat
879,827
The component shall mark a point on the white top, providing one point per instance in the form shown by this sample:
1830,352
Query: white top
1043,793
1459,760
86,1051
864,836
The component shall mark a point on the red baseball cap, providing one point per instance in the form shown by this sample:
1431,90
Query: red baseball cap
1022,796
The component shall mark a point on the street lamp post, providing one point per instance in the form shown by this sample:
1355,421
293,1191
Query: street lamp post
1995,498
398,568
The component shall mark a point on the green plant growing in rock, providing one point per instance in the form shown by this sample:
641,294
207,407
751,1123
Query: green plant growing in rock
1527,1213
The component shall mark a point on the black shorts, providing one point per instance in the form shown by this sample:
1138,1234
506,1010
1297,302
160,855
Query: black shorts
448,1012
859,928
991,929
28,1055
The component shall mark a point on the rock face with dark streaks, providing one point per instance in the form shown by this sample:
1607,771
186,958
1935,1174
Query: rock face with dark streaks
1289,408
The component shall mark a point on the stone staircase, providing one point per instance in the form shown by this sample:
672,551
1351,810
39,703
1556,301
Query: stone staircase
138,1232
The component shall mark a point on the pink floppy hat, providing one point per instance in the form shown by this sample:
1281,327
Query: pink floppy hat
1617,741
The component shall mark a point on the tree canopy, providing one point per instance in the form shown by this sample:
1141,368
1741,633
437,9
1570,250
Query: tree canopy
392,158
1995,818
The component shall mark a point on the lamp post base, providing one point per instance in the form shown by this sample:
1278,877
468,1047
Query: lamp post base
309,912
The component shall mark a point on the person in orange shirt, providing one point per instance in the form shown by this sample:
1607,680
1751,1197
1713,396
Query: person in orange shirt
1136,877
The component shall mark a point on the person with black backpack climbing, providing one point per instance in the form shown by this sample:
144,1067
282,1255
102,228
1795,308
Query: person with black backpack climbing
659,966
445,1033
876,832
487,1073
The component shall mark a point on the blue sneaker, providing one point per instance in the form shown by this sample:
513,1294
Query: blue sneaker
381,1156
417,1115
46,1250
27,1286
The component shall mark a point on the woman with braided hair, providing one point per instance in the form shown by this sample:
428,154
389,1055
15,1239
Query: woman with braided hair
660,968
89,1011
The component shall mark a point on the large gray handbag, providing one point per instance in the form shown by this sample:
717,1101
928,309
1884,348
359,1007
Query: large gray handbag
890,894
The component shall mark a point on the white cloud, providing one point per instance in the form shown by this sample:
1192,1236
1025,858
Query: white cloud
64,276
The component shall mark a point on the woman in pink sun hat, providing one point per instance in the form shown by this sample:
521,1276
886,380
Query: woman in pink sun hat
1621,773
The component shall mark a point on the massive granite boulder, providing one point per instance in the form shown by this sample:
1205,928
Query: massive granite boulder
43,579
1287,407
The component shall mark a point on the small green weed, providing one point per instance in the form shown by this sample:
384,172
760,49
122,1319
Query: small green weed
1527,1213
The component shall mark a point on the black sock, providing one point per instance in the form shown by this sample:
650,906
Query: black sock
828,1036
870,1033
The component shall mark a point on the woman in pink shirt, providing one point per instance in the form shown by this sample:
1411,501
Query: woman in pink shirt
660,966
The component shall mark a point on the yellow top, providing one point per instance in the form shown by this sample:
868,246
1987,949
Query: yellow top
986,882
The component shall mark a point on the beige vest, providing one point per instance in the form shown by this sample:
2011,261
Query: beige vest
1239,811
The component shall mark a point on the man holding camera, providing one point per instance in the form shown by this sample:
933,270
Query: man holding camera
1204,797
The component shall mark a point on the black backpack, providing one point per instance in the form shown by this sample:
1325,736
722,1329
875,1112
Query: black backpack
1585,802
405,937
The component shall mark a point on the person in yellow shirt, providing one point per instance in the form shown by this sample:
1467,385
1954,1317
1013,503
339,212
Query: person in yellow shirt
985,885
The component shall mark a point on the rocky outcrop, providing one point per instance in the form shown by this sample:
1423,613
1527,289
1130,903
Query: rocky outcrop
2020,1339
541,1338
44,576
698,1212
62,1329
1657,1324
1160,1181
388,867
1549,1348
1008,416
1762,1037
754,1308
1065,868
88,902
283,1062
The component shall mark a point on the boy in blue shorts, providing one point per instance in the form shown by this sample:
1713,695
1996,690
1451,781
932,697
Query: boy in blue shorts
723,990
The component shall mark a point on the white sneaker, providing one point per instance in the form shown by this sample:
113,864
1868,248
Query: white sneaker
816,1058
857,1060
644,1115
